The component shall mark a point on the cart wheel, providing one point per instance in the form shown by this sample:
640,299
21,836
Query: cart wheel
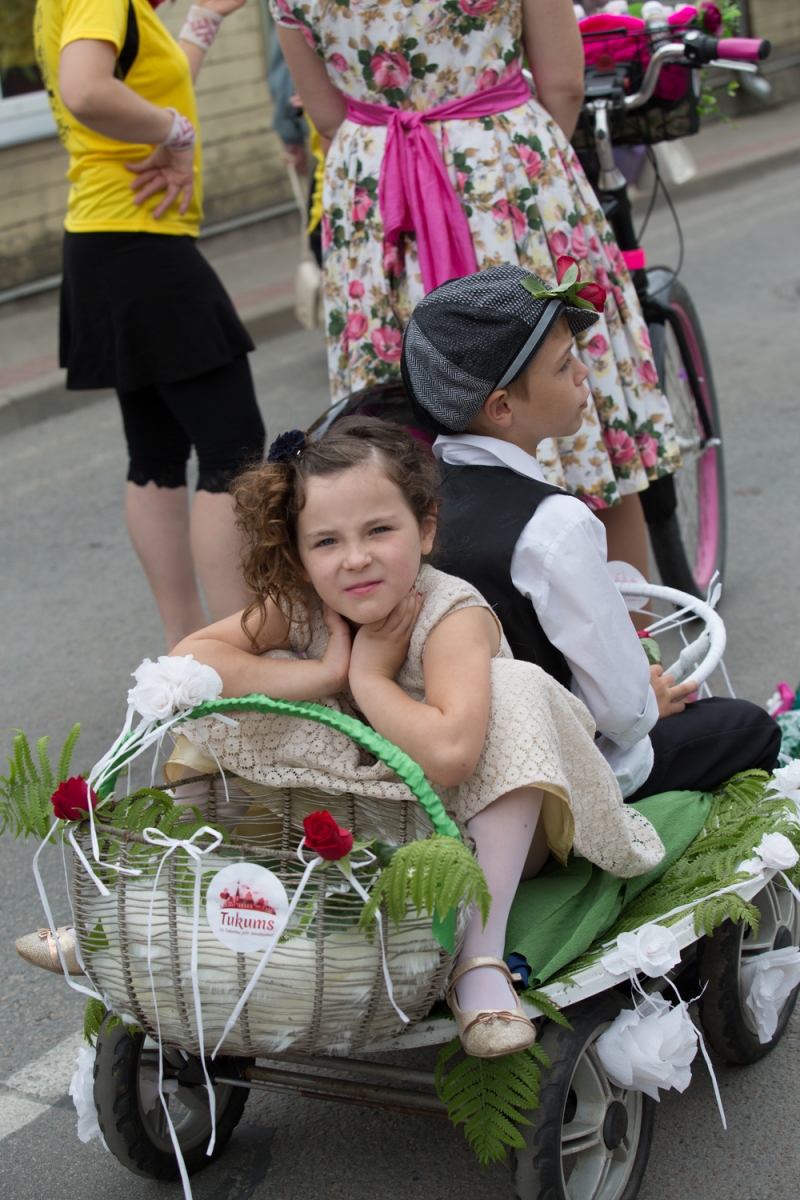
589,1139
723,1015
132,1117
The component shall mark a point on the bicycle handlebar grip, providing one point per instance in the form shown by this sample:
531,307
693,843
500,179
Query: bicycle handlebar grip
744,49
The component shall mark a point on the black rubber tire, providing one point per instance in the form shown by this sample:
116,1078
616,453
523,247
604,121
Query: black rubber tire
666,536
537,1169
122,1121
721,1008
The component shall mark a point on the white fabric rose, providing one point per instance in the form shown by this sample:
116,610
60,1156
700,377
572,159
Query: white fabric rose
81,1089
649,1047
770,979
776,852
172,684
651,950
787,782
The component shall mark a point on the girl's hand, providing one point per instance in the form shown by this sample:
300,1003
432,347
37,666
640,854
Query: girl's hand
381,649
336,658
165,170
671,697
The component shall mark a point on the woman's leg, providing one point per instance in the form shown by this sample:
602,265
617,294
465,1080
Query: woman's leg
157,509
626,535
220,414
504,839
158,524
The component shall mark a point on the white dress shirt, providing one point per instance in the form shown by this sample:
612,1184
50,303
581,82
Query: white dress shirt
559,564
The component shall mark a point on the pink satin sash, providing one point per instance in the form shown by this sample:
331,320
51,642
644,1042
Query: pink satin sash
415,193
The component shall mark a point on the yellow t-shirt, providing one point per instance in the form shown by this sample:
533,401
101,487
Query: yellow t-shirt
100,199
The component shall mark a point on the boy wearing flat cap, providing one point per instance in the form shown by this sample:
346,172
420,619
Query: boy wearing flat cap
488,366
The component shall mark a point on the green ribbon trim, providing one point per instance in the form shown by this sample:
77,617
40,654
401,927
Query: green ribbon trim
409,772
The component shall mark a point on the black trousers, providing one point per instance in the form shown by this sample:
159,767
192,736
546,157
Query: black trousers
700,748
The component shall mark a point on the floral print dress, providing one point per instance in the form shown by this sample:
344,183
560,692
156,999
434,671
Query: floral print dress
527,201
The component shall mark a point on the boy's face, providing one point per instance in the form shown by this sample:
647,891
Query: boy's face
549,400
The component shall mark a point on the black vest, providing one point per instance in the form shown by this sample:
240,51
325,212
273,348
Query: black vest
484,510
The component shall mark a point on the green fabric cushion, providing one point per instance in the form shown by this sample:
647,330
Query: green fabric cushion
556,916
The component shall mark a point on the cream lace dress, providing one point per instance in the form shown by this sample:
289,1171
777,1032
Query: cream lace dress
539,735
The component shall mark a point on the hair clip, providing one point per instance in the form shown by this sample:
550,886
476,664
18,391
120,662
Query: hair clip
569,287
287,447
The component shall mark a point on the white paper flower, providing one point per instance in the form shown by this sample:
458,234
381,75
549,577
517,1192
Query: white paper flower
787,782
651,950
770,979
776,852
650,1047
81,1089
171,685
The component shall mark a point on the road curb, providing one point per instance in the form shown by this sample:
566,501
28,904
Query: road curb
719,180
40,399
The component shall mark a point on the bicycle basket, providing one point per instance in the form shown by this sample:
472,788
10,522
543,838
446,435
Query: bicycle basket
323,990
618,49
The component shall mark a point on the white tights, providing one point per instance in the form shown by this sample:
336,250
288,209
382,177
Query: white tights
509,838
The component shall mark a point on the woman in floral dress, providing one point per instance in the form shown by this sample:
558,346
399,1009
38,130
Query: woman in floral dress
524,194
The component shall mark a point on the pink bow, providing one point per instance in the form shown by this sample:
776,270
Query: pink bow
415,193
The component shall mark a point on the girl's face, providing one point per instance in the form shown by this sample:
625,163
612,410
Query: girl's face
359,542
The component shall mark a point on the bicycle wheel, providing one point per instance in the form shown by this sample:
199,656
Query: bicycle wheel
689,547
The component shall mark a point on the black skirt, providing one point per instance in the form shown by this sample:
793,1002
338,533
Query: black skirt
143,308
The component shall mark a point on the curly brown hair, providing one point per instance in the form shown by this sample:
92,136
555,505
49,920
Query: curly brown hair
269,497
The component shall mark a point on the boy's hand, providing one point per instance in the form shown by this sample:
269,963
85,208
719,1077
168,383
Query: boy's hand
381,649
670,696
336,658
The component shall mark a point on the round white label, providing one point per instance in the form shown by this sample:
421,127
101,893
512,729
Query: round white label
247,907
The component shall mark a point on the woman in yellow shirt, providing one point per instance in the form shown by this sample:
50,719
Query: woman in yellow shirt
141,309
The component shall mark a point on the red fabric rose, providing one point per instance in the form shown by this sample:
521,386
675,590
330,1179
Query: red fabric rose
325,837
593,294
72,798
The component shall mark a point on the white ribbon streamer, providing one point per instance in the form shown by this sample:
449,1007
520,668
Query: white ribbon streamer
356,886
155,838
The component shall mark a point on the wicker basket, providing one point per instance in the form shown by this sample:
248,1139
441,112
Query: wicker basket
323,989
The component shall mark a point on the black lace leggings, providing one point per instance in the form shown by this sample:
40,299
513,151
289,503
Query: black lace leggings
217,413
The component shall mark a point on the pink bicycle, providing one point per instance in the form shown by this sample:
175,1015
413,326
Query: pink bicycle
642,87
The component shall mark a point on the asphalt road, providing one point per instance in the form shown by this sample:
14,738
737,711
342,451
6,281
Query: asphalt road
77,618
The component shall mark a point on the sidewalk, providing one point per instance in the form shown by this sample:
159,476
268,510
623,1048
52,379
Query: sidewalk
258,270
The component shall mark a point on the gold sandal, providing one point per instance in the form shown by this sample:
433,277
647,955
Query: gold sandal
40,949
490,1033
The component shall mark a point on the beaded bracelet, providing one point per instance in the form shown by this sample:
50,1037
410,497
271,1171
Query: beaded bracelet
200,27
182,135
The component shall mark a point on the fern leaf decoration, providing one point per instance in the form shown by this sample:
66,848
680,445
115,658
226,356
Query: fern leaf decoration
436,874
93,1016
547,1007
25,792
490,1096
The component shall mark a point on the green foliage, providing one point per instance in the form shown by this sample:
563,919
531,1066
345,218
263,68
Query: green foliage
93,1019
489,1096
25,792
546,1007
437,873
741,813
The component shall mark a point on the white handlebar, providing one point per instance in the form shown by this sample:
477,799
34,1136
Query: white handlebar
702,656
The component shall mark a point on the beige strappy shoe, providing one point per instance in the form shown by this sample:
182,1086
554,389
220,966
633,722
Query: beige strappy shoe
40,949
490,1033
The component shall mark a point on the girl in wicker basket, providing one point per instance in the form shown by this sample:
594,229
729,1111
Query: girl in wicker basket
346,612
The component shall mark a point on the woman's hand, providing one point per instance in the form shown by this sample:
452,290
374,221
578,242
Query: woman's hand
381,649
223,7
337,656
671,697
165,170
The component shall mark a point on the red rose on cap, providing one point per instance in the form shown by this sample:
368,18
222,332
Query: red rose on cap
325,837
72,798
592,293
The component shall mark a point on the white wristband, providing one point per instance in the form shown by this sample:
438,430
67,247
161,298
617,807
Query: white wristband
200,27
182,136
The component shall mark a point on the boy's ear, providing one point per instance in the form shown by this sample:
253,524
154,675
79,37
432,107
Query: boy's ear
497,409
